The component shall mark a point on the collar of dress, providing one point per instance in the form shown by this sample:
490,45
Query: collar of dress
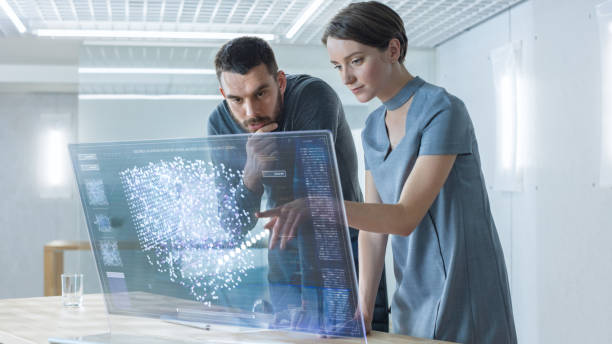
403,95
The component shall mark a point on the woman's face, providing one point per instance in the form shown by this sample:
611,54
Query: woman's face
365,70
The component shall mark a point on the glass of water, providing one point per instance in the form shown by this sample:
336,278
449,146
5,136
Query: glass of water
72,290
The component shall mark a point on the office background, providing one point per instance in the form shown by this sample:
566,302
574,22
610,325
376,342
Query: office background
554,221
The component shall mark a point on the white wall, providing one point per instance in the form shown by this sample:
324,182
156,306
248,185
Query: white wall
121,120
555,232
28,221
574,221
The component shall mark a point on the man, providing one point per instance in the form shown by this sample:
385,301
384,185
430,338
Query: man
260,98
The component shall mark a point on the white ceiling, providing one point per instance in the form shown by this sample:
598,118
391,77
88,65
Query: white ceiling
428,22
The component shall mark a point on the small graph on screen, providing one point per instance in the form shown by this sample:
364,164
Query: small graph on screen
95,193
110,253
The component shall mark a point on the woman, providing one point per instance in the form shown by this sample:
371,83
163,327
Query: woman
424,186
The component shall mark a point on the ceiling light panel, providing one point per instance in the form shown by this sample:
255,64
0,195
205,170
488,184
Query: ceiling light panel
147,70
422,19
7,11
428,22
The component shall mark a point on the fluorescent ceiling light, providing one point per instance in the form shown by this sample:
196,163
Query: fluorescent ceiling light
101,70
150,97
303,18
156,44
12,16
147,34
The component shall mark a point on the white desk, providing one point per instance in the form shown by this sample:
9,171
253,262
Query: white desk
34,320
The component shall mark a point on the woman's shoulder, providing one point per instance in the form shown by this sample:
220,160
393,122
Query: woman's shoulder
439,98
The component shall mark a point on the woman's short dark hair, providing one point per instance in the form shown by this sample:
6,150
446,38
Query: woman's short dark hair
370,23
241,54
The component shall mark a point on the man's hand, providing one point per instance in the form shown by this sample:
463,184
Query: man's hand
285,221
261,153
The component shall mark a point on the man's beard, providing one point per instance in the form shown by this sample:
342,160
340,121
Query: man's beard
266,119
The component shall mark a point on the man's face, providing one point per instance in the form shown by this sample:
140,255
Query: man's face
255,98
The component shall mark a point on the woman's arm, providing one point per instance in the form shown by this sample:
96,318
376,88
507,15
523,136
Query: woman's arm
372,247
418,194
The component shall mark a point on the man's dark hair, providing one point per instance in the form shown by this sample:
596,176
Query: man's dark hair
370,23
241,54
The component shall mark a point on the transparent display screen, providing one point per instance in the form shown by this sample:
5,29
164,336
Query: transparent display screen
174,232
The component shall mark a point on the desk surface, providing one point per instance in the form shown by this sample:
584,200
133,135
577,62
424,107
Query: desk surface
34,320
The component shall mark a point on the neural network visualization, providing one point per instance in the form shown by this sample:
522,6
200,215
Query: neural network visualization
190,225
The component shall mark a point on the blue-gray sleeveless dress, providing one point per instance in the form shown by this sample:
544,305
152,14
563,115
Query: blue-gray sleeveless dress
451,276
